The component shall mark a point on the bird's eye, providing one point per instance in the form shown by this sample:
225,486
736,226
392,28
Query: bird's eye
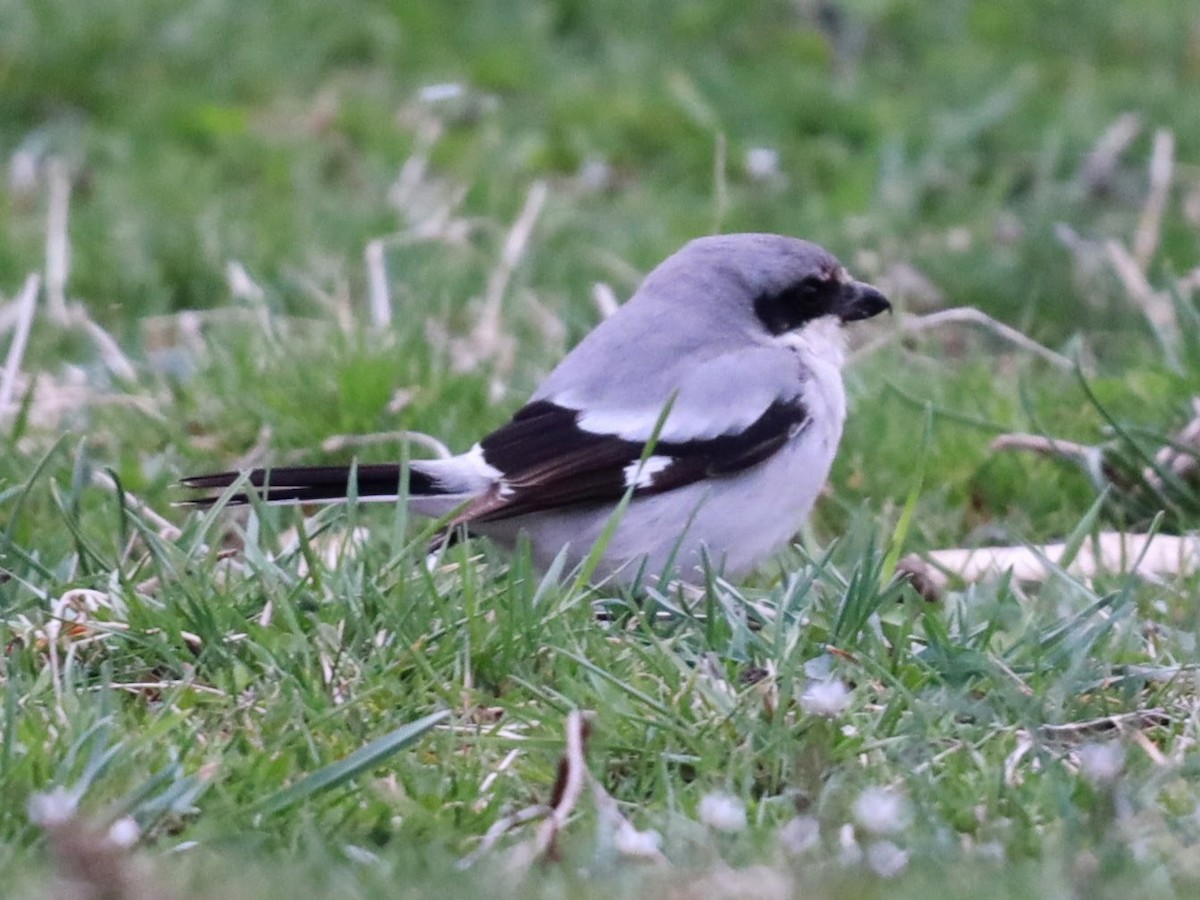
807,299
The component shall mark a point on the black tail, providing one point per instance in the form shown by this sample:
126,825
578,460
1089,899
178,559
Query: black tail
308,484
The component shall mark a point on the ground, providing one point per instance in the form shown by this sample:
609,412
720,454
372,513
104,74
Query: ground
262,229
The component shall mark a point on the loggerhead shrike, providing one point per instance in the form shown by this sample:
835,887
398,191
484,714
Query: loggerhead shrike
727,361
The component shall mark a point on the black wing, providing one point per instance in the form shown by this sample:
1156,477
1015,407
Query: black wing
548,462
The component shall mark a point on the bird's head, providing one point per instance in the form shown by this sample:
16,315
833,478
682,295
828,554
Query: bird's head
783,282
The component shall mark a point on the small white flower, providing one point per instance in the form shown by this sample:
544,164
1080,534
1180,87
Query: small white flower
825,697
594,174
992,851
851,853
124,832
958,239
762,163
634,844
800,834
886,859
53,807
360,855
241,285
23,173
440,93
1101,763
880,811
723,812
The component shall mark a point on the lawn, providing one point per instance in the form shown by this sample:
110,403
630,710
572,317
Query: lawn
296,232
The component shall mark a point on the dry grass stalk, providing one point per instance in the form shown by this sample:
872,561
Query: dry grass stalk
427,206
58,245
110,351
486,335
24,306
166,530
1149,229
1180,456
484,795
157,687
1100,165
241,285
338,442
1047,446
967,315
58,258
487,341
1156,756
500,828
568,788
1105,726
377,284
414,172
605,299
1155,305
720,181
10,314
256,454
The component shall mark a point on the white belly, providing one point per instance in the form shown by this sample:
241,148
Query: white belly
734,522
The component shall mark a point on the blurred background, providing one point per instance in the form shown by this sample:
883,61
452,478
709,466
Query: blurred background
951,137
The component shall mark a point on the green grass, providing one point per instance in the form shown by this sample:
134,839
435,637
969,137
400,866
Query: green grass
256,691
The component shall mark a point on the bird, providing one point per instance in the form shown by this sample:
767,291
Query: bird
702,417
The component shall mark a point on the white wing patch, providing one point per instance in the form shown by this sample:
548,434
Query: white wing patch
681,425
639,474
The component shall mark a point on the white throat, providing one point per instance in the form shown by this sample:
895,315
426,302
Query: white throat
821,340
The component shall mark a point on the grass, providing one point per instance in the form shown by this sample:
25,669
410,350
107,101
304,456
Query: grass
288,705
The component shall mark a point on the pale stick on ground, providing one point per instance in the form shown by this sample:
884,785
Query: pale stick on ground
1112,552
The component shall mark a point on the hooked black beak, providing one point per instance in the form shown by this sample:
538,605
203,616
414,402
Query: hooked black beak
860,301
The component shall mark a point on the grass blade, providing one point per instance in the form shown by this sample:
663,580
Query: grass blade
361,760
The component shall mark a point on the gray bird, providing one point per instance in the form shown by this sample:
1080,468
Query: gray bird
727,361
